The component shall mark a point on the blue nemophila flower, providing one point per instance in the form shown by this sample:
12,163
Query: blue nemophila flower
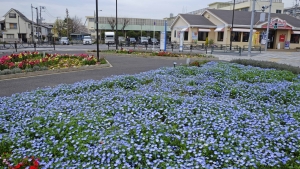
220,115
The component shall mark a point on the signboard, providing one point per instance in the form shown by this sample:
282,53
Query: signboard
194,37
287,45
281,24
281,38
162,40
181,42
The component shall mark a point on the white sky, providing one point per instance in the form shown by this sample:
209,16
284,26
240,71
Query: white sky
155,9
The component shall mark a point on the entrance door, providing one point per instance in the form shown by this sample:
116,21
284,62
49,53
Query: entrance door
272,36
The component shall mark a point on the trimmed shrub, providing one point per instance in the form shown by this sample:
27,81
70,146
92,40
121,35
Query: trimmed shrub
28,70
198,62
267,64
36,68
43,68
6,72
16,70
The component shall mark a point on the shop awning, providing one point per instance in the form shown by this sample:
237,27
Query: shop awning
203,30
242,30
296,32
185,29
220,29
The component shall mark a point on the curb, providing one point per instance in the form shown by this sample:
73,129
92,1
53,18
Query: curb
54,71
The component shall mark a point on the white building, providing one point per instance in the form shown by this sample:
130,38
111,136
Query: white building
17,27
244,5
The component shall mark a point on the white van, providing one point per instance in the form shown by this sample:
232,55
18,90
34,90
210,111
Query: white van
87,40
109,37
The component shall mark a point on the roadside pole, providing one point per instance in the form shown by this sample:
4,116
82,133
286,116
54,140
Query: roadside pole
268,27
153,36
251,29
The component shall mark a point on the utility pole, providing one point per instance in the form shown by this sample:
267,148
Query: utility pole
67,22
251,29
117,40
97,32
32,24
268,27
37,22
232,24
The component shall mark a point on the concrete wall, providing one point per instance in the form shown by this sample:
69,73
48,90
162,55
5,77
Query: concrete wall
178,26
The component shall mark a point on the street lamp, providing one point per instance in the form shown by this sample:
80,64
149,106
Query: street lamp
117,25
232,24
97,32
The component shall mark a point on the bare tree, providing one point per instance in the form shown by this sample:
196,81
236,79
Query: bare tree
124,24
112,23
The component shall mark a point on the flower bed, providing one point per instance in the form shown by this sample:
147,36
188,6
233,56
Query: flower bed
156,53
31,61
219,115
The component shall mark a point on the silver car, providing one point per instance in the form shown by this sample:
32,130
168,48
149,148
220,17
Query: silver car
64,41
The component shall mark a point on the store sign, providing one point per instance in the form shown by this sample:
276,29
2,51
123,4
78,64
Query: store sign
281,24
281,38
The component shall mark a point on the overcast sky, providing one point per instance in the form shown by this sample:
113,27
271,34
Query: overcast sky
155,9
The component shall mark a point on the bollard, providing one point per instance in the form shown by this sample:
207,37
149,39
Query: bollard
54,43
146,45
240,51
212,49
34,45
191,48
206,49
4,43
16,46
221,46
108,45
121,45
134,46
172,47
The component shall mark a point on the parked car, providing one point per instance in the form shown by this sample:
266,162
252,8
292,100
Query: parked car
64,41
144,40
154,40
132,40
87,40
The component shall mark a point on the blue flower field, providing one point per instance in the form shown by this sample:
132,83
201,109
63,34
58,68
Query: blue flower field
219,115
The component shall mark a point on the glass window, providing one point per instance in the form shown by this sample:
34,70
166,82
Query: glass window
295,38
220,36
12,15
174,33
246,36
10,36
186,35
278,11
91,19
13,26
236,36
202,36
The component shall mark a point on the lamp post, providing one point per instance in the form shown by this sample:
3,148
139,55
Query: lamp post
117,25
232,24
97,32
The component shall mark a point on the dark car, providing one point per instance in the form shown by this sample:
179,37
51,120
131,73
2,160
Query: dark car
154,40
132,40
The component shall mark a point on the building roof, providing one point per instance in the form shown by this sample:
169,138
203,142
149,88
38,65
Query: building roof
20,14
192,19
244,17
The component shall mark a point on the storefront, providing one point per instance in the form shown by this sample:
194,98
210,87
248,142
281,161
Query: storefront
218,29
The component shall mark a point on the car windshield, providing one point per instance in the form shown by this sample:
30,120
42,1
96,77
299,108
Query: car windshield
87,37
153,39
64,38
132,39
144,38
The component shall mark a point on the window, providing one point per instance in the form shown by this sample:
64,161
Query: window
278,11
13,26
12,15
186,35
202,36
10,36
220,36
29,26
91,19
246,36
295,38
174,33
236,36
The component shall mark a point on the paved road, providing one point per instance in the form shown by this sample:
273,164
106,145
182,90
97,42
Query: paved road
121,65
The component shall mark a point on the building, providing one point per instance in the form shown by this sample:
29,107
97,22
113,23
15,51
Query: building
142,25
243,5
216,25
17,27
293,11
